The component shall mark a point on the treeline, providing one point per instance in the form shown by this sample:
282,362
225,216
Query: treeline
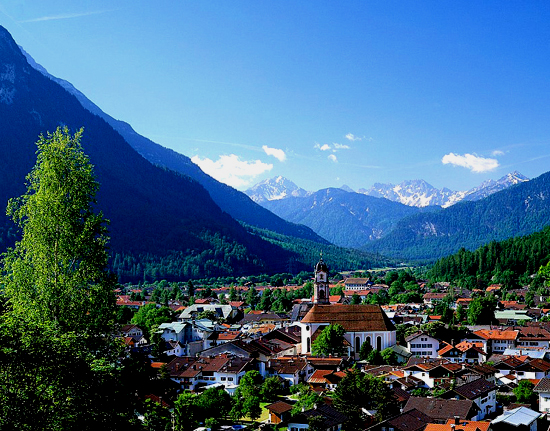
338,258
512,262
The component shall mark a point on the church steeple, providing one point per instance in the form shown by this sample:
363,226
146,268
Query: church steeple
321,290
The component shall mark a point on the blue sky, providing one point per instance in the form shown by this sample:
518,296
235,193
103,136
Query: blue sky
323,93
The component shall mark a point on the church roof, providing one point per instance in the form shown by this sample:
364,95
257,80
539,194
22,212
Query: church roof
354,318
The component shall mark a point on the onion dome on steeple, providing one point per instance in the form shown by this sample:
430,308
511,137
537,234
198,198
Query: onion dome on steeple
321,265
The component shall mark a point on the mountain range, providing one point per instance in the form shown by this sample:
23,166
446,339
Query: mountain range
168,219
422,232
417,193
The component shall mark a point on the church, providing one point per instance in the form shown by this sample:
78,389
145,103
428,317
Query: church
363,323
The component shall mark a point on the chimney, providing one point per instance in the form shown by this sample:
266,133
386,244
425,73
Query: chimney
457,420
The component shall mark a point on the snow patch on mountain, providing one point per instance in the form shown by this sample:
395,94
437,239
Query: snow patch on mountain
419,193
275,189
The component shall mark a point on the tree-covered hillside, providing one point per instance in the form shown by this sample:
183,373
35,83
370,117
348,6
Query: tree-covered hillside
511,262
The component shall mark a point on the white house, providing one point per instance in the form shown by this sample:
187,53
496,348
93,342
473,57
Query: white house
543,389
421,344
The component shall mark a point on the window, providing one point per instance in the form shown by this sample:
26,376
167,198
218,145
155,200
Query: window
223,379
230,379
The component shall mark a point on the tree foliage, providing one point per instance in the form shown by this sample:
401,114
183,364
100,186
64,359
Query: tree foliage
359,390
59,365
330,341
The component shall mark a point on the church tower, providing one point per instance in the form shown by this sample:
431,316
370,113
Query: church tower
321,290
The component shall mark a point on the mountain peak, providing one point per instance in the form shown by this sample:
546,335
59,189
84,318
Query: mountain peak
274,189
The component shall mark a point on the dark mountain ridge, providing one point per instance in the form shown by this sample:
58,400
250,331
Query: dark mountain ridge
152,211
230,200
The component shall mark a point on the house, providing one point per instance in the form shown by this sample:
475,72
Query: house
279,411
226,370
430,299
532,337
252,320
333,418
291,369
326,379
472,372
433,373
352,283
362,323
515,368
193,336
440,410
411,420
480,391
543,389
457,424
463,352
520,419
226,312
421,344
498,340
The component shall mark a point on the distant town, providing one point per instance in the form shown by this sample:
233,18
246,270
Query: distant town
338,352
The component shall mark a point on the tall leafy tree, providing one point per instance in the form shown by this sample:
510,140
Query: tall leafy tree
358,391
58,358
330,341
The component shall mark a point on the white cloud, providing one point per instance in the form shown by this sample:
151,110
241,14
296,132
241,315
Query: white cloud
333,158
324,147
275,152
497,153
470,161
231,170
340,146
352,137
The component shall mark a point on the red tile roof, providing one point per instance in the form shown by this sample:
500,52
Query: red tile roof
354,318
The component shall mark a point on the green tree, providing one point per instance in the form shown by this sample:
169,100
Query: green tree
306,398
524,392
357,391
355,299
330,341
482,310
186,412
316,423
59,366
214,402
375,358
156,417
366,348
232,293
271,388
149,317
389,356
246,400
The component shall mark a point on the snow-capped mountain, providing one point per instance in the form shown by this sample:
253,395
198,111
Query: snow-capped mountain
421,194
491,186
417,193
274,189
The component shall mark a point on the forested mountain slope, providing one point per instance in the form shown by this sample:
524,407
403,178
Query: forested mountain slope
230,200
519,210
